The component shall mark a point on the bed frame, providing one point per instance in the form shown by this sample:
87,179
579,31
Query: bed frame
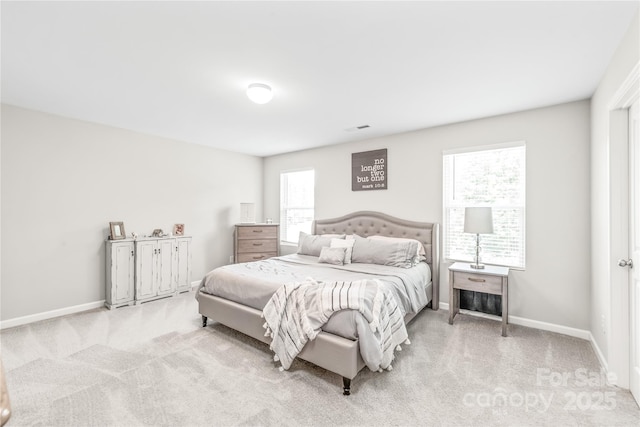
329,351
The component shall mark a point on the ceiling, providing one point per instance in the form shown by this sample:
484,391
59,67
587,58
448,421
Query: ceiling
180,69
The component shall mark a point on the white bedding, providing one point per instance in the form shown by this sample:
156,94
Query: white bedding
254,283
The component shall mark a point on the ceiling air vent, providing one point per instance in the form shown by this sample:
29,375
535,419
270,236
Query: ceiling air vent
357,128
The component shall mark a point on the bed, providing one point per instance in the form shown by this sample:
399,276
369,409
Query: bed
329,350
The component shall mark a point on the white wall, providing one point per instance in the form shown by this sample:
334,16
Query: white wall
607,160
63,180
555,286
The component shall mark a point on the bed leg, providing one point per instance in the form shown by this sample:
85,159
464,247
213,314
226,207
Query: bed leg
346,384
204,321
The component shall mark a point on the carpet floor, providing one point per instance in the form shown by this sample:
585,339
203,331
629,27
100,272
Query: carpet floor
154,365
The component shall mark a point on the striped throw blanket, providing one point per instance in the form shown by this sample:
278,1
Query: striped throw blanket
296,313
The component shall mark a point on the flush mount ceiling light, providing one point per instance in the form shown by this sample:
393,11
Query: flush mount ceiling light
259,93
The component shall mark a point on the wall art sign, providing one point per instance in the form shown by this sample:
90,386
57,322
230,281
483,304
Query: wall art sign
369,170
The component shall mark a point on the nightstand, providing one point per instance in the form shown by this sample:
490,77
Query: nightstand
490,280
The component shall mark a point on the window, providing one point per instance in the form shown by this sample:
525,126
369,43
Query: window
488,176
296,204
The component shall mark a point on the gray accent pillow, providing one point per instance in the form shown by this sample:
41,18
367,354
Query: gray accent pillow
312,244
384,252
421,251
332,255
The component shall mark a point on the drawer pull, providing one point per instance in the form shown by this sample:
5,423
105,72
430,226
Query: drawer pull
258,257
257,244
473,279
257,231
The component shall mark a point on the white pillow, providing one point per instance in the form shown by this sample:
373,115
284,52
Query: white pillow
347,244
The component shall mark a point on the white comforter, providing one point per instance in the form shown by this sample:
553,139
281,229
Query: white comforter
254,283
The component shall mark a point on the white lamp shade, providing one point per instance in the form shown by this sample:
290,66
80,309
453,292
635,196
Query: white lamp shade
478,220
259,93
247,213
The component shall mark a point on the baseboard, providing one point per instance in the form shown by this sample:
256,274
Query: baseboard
18,321
599,355
194,285
536,324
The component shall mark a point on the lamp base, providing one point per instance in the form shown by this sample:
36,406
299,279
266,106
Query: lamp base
476,265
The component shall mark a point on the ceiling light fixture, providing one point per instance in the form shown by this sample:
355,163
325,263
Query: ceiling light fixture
259,93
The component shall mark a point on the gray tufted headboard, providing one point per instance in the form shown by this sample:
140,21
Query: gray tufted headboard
368,223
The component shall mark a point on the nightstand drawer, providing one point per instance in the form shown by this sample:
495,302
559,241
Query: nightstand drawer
250,246
478,282
257,232
248,257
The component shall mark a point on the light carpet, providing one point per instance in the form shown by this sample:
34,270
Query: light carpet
154,364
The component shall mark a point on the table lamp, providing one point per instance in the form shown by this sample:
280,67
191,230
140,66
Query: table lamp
247,213
478,220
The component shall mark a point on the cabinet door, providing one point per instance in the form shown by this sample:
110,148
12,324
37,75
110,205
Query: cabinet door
122,273
166,266
183,268
146,269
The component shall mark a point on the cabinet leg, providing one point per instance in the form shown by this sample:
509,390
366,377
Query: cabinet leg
204,321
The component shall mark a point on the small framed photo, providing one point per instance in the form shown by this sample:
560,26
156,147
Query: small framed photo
178,230
157,232
117,230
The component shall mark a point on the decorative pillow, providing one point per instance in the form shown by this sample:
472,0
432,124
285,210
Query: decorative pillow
400,239
344,243
312,244
384,252
420,256
332,255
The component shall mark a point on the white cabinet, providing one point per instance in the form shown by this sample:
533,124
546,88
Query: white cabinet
145,269
183,268
120,273
155,268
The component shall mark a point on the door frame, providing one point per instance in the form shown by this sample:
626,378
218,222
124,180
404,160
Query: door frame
618,341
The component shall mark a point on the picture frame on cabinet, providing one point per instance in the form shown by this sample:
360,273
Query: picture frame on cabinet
117,230
178,230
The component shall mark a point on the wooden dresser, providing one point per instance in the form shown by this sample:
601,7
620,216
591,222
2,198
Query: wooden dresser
254,242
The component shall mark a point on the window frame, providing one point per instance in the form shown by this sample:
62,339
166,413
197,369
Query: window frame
448,203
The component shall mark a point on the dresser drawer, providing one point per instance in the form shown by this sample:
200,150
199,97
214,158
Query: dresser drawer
251,246
477,282
257,256
257,232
